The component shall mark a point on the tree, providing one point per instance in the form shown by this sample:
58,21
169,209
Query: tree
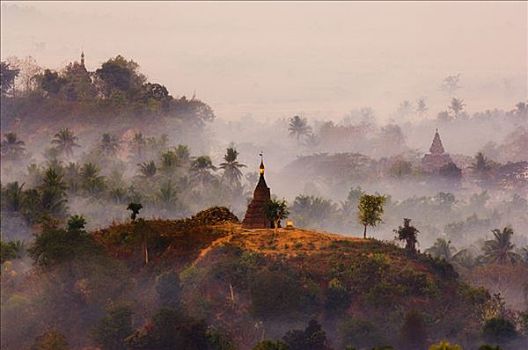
109,144
50,340
13,197
276,211
12,147
232,167
500,248
313,337
441,249
91,181
169,161
119,75
64,141
134,208
55,245
167,194
201,169
370,210
138,145
52,192
148,169
451,83
50,82
499,330
183,153
456,106
76,223
28,71
310,211
421,107
11,250
7,77
408,234
111,330
299,127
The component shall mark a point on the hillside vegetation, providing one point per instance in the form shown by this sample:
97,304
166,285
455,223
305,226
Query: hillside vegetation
211,284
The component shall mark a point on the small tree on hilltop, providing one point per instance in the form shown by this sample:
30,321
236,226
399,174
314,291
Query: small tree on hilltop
370,210
134,208
276,210
408,234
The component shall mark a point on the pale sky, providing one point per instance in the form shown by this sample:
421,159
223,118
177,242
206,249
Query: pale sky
273,60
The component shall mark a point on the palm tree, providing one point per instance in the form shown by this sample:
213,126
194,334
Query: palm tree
12,147
71,176
65,141
183,152
109,144
456,106
167,194
138,144
92,182
500,248
232,167
148,169
201,169
53,193
169,161
441,249
299,127
12,197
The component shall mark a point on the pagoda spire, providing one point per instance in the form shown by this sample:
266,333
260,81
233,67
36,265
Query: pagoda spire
261,168
436,146
256,212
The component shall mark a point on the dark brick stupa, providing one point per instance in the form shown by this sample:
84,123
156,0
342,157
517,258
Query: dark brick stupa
255,214
437,158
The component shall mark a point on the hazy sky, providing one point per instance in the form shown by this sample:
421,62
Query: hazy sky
276,59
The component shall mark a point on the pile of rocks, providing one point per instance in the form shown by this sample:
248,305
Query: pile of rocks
214,215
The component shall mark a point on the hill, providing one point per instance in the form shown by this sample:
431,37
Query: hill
236,278
246,285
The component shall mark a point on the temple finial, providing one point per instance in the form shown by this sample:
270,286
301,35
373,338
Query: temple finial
261,169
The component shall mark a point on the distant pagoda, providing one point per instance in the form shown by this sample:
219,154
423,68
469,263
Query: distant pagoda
256,213
437,158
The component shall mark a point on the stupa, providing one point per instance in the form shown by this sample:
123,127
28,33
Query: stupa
256,212
437,158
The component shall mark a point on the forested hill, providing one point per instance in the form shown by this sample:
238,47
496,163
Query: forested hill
116,92
207,283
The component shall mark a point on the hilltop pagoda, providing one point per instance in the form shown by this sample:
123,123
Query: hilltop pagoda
437,158
256,214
